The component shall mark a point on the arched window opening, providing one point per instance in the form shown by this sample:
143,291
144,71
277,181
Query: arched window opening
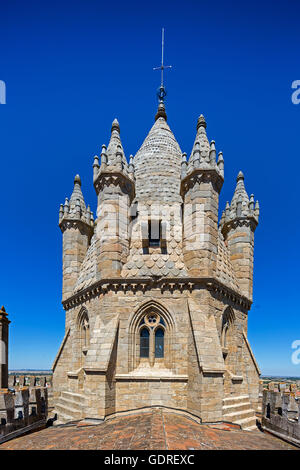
151,342
227,324
144,342
159,343
225,327
84,330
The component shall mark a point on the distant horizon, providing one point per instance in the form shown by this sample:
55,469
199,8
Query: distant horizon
49,370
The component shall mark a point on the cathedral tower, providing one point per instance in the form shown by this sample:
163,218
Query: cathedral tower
156,295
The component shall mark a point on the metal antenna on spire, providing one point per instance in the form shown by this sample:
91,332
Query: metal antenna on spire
161,93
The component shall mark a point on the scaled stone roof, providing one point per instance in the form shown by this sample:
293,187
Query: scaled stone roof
155,264
157,165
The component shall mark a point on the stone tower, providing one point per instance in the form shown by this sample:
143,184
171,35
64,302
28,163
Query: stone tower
4,327
156,291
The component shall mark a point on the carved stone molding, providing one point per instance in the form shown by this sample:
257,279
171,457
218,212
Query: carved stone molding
116,179
79,224
166,284
202,175
233,224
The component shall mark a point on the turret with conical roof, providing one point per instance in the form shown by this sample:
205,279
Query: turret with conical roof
77,225
202,180
114,185
238,224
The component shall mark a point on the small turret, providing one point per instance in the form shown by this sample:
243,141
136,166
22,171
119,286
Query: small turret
238,225
201,183
77,226
114,185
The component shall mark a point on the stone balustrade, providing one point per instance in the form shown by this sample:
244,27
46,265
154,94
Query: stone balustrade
29,380
281,415
22,411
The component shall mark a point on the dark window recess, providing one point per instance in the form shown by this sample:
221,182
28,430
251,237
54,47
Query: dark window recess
144,343
159,343
154,232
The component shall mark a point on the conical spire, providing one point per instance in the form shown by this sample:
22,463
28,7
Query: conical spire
241,206
157,165
240,194
77,194
201,148
115,145
203,155
74,208
201,137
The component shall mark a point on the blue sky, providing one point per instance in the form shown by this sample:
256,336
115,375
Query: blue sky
71,67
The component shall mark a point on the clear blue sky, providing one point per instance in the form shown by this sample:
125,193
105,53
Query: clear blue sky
72,67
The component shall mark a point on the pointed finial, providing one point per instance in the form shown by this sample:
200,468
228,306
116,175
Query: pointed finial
115,126
212,152
183,165
88,214
251,202
220,163
201,122
256,210
66,206
131,164
103,155
96,161
227,210
240,176
197,155
61,212
77,180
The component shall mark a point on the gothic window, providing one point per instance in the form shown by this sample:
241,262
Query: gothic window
152,337
159,343
227,326
144,342
84,330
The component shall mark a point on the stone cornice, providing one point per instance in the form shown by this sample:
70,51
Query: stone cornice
245,221
68,223
145,284
106,178
202,175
